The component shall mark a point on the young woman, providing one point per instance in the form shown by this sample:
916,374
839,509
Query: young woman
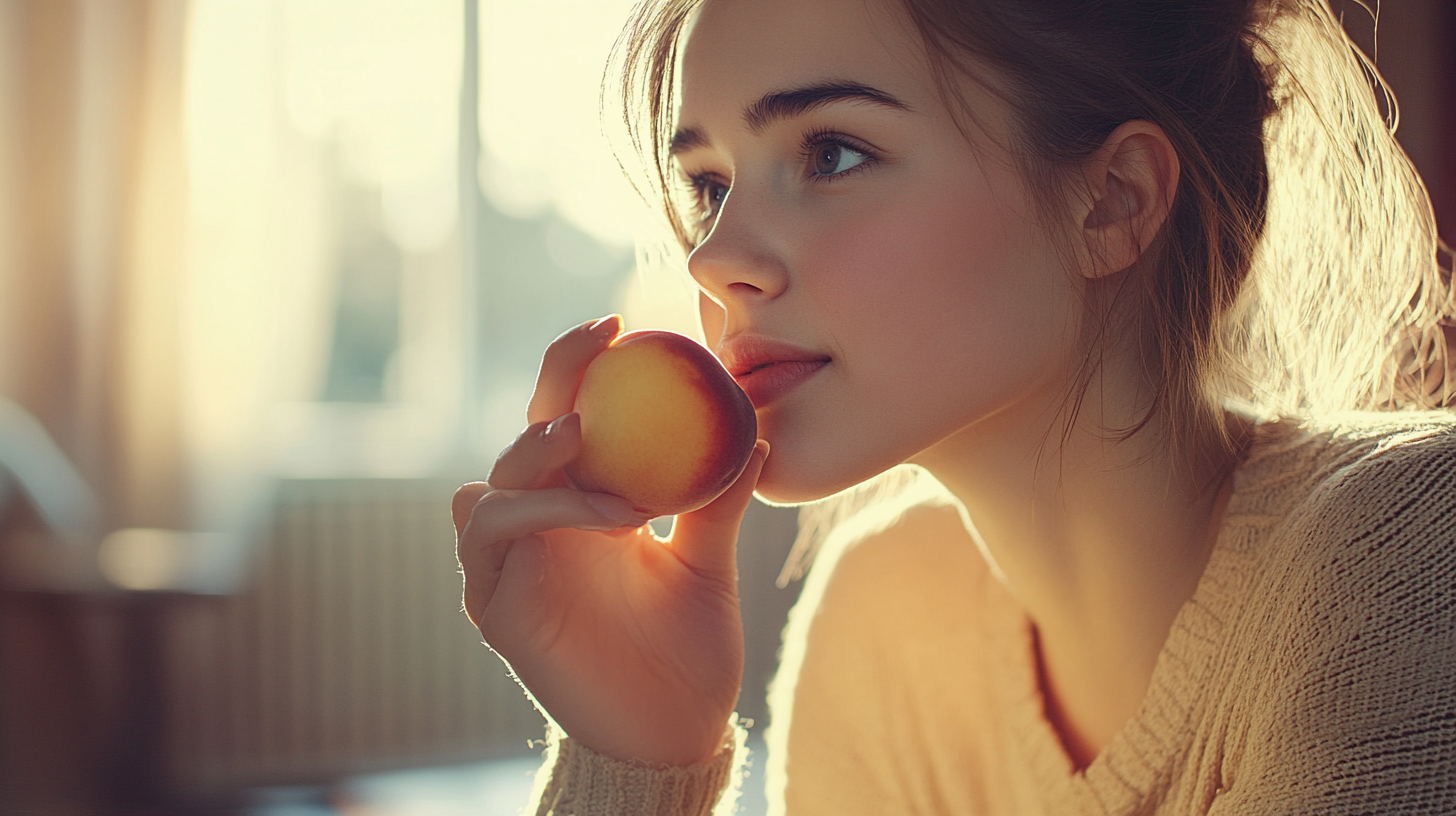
1115,275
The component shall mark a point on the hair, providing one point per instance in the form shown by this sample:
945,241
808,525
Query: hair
1298,270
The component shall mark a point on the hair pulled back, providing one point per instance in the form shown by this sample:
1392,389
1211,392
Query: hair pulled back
1298,269
1072,71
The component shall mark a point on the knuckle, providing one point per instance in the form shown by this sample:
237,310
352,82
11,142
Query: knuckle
530,433
512,453
499,468
494,501
508,514
567,353
470,491
489,508
465,497
559,351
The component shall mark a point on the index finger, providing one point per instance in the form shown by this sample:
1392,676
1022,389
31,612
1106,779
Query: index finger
562,366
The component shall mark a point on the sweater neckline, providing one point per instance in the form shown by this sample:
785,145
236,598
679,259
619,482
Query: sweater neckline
1138,762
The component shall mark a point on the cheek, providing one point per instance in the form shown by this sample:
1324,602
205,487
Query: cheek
950,280
940,307
711,319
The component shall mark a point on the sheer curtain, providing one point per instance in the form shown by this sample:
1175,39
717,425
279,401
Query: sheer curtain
92,215
176,185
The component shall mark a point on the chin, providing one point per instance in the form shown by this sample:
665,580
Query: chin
776,498
788,480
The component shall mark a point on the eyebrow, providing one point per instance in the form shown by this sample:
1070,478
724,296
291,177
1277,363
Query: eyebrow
777,105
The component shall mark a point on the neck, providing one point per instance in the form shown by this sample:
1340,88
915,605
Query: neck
1101,542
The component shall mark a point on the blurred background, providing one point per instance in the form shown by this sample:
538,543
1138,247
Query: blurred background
275,277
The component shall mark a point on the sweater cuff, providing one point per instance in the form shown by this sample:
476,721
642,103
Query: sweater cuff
585,783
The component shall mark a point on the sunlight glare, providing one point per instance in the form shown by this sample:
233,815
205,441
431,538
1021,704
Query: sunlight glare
383,78
541,64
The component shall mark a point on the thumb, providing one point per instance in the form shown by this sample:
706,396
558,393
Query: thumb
706,539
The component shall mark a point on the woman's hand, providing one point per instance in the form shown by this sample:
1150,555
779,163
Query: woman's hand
633,644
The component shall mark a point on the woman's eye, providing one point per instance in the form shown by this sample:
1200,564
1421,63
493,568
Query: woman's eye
832,159
710,194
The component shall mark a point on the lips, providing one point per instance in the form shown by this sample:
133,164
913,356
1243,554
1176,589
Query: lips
768,369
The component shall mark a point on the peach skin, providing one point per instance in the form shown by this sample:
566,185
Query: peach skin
663,424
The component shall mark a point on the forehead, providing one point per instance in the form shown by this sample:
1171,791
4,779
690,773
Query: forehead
739,50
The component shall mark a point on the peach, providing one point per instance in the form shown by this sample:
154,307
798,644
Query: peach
663,424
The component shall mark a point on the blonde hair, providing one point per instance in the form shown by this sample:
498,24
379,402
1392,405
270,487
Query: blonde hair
1351,284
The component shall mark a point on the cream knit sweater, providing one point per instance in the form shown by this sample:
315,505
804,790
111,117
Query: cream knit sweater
1312,672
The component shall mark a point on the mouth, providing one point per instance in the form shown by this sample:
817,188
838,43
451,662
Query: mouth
781,366
768,369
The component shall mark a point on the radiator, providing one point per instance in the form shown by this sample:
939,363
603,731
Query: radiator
346,653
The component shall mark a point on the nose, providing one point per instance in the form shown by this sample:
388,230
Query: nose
738,264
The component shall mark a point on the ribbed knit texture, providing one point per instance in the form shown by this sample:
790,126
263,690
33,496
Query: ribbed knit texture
1313,670
585,783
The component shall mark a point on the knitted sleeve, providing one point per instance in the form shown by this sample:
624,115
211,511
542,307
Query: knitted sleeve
1353,705
577,781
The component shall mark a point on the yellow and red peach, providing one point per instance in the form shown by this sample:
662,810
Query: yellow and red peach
663,424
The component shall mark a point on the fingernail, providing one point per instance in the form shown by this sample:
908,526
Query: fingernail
612,508
553,431
605,328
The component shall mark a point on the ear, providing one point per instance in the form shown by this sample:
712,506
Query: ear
1131,180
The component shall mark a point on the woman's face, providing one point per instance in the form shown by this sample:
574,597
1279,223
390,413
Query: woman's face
861,226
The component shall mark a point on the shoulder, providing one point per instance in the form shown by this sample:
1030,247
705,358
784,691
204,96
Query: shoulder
876,615
1369,548
1334,482
1351,628
1365,440
872,599
1383,503
927,544
874,583
1305,454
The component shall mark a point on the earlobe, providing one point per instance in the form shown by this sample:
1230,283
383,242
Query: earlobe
1131,181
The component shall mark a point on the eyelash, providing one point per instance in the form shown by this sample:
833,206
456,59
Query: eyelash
700,184
821,137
